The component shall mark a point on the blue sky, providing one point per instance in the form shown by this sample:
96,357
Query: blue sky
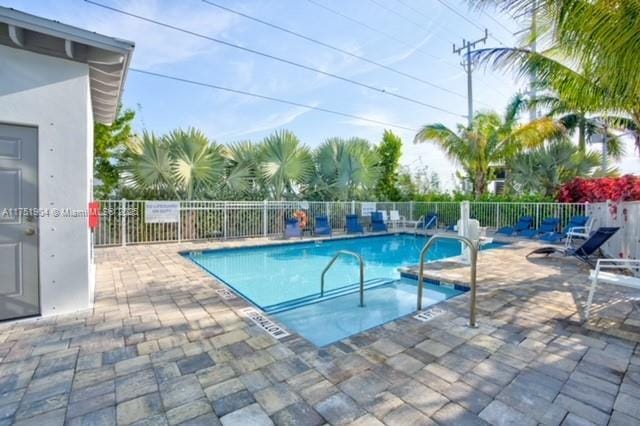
163,105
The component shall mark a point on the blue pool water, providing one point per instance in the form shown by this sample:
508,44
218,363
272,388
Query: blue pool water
284,281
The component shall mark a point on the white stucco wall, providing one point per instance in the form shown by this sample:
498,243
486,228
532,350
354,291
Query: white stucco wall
53,95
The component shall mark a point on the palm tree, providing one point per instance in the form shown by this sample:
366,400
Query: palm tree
181,165
346,168
586,125
242,170
284,164
490,140
543,170
592,63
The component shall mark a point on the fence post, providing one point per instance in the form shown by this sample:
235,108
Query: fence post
537,215
179,221
123,222
353,207
264,218
497,215
225,220
411,210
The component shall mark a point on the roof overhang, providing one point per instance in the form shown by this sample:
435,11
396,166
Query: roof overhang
108,58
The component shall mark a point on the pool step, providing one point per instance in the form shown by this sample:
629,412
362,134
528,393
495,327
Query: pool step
328,294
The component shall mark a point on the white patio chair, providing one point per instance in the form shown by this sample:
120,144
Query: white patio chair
395,219
579,232
598,276
385,217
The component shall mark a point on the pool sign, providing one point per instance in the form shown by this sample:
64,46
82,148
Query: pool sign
162,212
368,208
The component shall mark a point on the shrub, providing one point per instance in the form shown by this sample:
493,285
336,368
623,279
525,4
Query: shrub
579,190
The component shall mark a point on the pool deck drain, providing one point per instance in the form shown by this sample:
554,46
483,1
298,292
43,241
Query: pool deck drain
163,347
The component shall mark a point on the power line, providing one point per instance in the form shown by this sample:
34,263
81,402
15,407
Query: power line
380,32
463,16
277,58
401,16
329,46
269,98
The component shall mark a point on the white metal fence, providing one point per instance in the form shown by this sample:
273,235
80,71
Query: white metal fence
123,221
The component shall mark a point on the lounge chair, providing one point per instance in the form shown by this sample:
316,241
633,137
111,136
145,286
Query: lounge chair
377,222
292,228
576,223
523,223
322,226
353,224
548,226
598,276
585,250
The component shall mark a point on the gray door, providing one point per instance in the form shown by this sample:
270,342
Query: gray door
19,289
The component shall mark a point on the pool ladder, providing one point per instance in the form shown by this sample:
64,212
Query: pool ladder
473,251
333,260
425,225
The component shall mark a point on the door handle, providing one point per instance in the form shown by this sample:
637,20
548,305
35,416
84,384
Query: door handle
29,231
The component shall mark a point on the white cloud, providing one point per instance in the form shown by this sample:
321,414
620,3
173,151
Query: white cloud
271,122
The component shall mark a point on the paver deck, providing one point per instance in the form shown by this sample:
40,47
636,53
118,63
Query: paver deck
161,346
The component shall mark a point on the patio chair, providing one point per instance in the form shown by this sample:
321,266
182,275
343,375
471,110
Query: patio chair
292,228
585,250
353,224
576,224
548,226
598,276
523,223
377,222
395,219
322,226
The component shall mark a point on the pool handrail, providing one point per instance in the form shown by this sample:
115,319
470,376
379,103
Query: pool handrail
333,260
473,250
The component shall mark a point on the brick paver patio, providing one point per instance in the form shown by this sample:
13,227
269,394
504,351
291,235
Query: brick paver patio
162,347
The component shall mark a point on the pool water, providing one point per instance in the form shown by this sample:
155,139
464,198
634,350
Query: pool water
284,281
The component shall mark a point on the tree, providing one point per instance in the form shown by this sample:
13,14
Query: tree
346,168
592,63
490,140
108,142
543,170
183,165
389,151
284,164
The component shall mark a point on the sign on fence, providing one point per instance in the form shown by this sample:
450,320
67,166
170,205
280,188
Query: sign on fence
368,208
162,211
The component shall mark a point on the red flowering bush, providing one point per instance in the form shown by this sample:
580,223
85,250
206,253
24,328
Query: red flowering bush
581,190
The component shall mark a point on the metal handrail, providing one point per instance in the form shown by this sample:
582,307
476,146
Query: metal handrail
415,225
333,260
473,249
421,219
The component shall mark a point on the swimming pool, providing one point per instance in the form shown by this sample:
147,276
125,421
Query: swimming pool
284,281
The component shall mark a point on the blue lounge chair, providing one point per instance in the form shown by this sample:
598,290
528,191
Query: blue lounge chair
377,222
548,226
523,223
587,249
353,224
322,226
574,222
292,228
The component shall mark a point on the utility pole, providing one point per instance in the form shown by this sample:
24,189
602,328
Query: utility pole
533,113
468,66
